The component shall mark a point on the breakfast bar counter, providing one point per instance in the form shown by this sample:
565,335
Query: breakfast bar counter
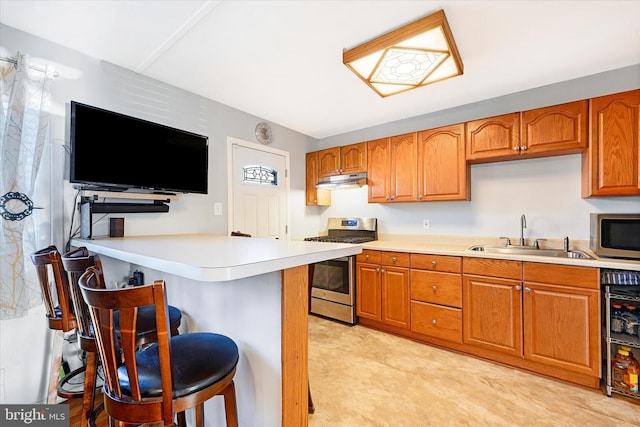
253,290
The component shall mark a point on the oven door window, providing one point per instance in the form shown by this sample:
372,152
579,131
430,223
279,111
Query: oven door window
332,275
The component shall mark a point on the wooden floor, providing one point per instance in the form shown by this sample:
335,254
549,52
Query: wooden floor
361,377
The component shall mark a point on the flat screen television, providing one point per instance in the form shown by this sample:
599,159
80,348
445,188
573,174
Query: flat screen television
115,152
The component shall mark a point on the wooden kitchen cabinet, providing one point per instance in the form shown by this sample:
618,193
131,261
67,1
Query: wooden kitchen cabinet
611,165
443,173
493,138
382,283
561,317
343,160
492,309
392,170
436,296
549,317
558,129
314,196
548,131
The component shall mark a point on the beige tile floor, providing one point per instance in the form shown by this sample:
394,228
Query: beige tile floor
362,377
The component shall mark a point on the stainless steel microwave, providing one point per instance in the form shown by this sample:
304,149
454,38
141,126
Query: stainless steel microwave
615,235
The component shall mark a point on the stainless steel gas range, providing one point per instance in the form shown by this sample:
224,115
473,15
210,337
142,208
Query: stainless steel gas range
333,282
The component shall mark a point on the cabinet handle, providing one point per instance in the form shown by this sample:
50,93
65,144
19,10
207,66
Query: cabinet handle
394,259
388,198
527,289
516,148
377,270
524,148
433,263
434,321
419,196
434,287
393,197
518,287
366,256
382,270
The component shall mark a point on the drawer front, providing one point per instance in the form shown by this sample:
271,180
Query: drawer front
436,321
436,288
581,277
448,264
367,255
492,267
396,259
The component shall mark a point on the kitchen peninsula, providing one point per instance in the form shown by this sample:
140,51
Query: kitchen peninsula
253,290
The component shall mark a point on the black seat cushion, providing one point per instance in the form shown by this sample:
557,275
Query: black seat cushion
199,360
146,323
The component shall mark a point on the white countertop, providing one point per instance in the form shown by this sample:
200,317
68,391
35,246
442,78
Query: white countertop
456,247
215,258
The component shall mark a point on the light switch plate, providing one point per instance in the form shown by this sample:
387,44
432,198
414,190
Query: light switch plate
217,208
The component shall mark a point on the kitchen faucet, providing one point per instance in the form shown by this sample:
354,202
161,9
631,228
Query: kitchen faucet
523,225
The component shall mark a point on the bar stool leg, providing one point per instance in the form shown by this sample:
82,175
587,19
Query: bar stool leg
56,363
88,398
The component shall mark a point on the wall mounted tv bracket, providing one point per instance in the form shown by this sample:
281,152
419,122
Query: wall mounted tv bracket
90,205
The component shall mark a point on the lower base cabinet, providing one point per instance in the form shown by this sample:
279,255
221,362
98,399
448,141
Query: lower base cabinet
544,318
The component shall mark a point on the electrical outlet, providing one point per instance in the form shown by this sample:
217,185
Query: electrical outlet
426,224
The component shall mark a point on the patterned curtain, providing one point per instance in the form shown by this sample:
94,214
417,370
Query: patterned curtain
24,120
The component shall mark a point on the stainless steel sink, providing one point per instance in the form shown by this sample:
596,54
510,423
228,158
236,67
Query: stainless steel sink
530,251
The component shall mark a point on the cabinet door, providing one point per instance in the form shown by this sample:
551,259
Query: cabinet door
353,158
492,314
611,166
493,137
395,296
559,129
403,168
315,197
368,295
378,170
562,328
329,162
443,173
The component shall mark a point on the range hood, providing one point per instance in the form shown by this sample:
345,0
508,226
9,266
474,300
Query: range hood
336,182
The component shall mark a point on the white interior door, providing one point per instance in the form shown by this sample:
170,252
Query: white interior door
259,191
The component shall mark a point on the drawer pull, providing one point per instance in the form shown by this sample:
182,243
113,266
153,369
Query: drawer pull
367,256
394,259
518,287
434,287
434,321
527,289
433,263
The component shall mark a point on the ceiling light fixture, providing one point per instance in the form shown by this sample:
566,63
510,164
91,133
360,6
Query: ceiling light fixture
415,55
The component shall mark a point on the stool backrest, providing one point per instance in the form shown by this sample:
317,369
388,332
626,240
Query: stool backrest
76,263
118,347
55,294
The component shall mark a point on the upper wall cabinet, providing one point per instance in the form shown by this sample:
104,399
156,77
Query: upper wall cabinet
443,173
611,165
556,129
548,131
314,196
391,169
342,160
494,137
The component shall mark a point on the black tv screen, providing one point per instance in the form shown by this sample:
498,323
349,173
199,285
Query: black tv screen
116,152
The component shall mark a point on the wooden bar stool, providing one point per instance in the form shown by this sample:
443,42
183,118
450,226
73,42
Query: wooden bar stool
76,262
54,285
164,379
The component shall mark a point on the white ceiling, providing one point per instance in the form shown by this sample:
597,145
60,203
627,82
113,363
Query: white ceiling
282,60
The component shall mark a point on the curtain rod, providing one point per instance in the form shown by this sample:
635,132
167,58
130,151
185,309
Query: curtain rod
33,67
